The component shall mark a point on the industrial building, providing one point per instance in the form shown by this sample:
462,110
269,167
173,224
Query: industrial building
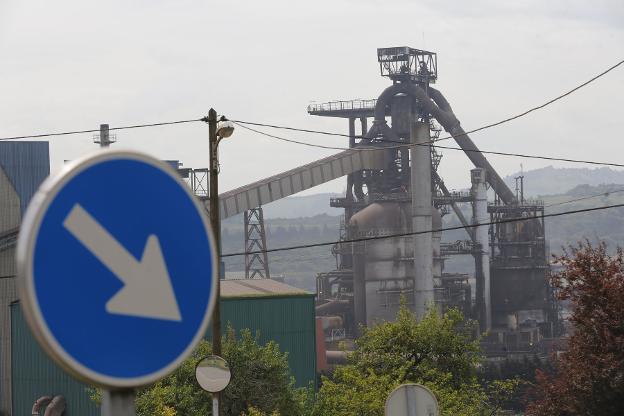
390,240
274,310
23,167
511,298
395,197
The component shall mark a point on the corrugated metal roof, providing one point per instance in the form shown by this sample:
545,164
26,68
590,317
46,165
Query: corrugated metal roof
258,288
26,164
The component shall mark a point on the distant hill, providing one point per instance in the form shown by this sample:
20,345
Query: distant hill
544,181
299,267
301,206
296,207
552,181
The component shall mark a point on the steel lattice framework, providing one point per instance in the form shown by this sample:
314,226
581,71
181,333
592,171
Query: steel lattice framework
256,259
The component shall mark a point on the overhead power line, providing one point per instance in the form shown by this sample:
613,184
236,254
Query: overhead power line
487,126
547,103
246,124
607,193
67,133
72,132
412,233
284,139
404,145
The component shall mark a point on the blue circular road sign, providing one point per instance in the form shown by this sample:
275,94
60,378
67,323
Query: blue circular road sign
116,266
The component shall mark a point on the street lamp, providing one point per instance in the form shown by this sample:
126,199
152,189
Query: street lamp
217,129
225,128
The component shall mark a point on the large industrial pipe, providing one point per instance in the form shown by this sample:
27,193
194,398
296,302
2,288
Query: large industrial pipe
39,404
55,406
421,219
440,109
480,216
359,282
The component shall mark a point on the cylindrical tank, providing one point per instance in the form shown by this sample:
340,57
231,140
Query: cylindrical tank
384,271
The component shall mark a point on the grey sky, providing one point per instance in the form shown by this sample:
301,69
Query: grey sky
73,64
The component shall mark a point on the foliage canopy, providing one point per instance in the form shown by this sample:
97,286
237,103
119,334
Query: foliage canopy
589,377
261,383
438,352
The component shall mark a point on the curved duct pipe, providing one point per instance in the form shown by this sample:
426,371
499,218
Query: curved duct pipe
55,406
39,403
441,110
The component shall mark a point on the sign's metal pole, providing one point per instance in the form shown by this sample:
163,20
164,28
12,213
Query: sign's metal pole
410,398
215,404
118,403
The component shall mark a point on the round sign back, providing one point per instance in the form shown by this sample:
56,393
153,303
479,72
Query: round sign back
213,374
411,400
116,267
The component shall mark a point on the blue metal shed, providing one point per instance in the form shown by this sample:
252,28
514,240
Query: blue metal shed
26,164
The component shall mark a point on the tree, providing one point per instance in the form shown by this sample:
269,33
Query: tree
438,352
588,379
522,372
261,383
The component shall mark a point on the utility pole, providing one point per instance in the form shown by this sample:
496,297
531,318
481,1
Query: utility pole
105,138
213,190
215,223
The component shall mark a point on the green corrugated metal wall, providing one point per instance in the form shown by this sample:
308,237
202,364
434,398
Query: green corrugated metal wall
35,375
287,320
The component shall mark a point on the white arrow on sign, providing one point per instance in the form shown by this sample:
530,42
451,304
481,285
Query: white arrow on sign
147,290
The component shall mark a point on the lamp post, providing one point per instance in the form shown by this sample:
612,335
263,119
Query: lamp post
217,130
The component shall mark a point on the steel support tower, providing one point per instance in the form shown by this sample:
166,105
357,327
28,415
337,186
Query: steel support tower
256,258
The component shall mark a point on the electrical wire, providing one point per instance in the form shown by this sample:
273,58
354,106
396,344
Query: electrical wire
539,107
584,198
412,233
406,145
487,126
284,139
66,133
246,124
309,257
407,234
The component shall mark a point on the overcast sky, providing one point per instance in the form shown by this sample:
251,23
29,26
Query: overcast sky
73,64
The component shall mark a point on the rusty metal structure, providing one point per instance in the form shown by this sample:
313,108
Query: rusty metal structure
510,296
394,189
256,258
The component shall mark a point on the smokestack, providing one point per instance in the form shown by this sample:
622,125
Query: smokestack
421,218
480,216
